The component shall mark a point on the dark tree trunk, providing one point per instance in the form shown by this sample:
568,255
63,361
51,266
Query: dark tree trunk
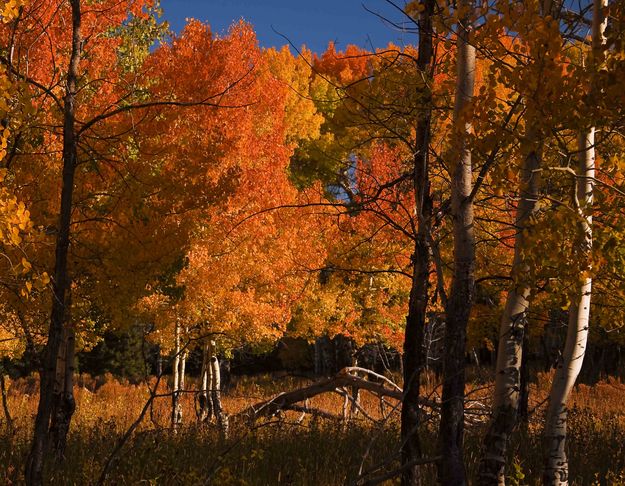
64,403
415,321
35,461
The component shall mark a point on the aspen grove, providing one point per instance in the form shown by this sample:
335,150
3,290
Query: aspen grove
226,263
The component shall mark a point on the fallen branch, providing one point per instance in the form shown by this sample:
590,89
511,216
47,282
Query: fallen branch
344,378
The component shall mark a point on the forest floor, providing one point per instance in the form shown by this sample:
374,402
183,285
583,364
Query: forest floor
286,450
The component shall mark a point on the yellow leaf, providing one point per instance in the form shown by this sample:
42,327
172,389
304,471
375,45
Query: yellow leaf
26,264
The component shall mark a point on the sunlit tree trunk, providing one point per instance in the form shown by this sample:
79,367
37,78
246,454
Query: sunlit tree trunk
215,389
176,405
511,329
413,361
506,396
451,467
556,471
205,400
39,449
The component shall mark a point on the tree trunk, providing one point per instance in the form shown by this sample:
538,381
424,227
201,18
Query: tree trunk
176,405
417,306
64,402
524,392
159,361
451,466
556,470
35,461
511,331
215,389
205,413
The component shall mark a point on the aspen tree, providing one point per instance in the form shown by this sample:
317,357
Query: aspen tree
452,471
556,464
514,318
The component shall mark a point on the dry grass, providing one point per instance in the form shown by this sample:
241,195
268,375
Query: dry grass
311,452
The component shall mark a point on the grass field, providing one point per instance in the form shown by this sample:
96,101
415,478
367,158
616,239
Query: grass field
287,450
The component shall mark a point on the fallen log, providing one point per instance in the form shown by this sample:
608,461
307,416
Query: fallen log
345,378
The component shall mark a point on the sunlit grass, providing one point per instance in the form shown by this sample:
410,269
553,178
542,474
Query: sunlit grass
286,450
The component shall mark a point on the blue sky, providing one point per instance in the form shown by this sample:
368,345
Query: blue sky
310,22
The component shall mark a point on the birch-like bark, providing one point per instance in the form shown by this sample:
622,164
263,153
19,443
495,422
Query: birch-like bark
182,372
205,405
506,397
556,472
512,328
451,466
60,283
176,405
215,389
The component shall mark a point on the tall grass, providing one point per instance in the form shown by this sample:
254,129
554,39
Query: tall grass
284,450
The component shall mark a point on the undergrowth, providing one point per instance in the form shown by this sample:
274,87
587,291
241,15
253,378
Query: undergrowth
288,450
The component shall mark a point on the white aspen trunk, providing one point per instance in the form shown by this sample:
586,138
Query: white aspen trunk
512,328
451,466
176,406
506,397
215,388
205,412
556,470
181,373
345,411
354,410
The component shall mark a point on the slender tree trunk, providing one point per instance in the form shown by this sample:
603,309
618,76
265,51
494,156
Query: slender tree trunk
524,392
205,400
556,470
413,355
183,368
35,461
64,402
176,406
215,389
159,361
511,330
451,466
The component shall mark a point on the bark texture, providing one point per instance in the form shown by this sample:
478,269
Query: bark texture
215,389
512,329
178,382
451,466
556,471
60,284
64,402
415,321
205,401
